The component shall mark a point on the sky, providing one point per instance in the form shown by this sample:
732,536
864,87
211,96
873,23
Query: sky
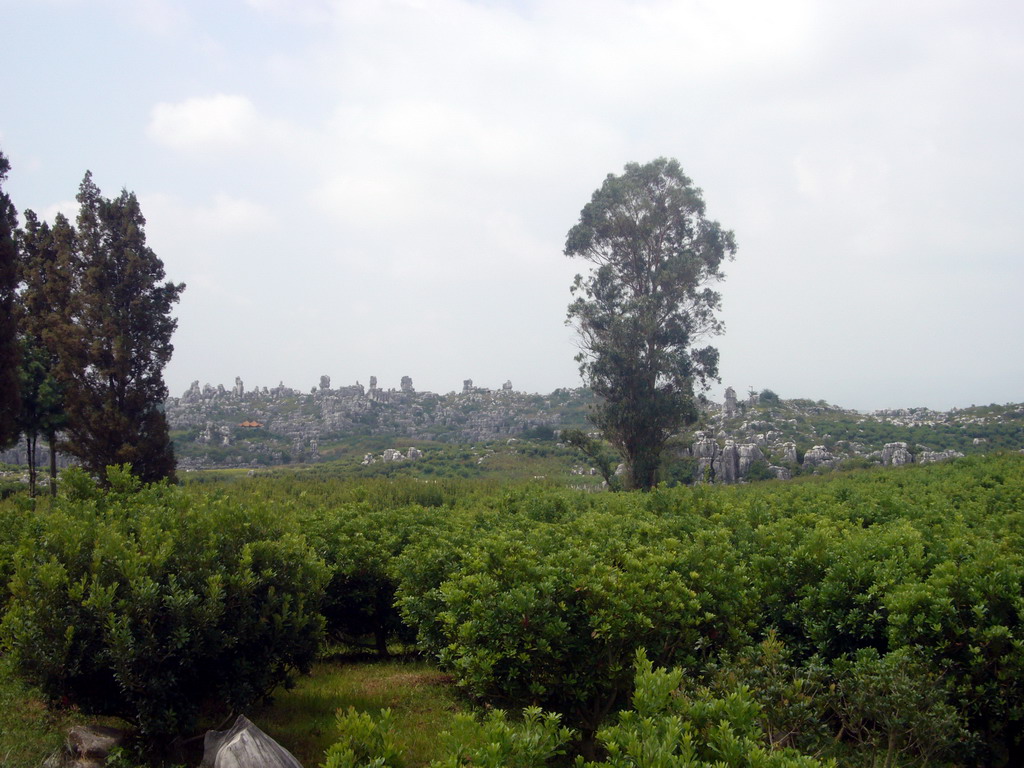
359,188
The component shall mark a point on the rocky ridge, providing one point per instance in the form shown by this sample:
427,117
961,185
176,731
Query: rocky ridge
763,436
221,427
759,436
756,437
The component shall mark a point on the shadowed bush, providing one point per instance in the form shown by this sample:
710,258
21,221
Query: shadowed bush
145,603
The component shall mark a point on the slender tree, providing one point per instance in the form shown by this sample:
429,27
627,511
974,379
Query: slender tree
114,352
10,401
643,305
45,260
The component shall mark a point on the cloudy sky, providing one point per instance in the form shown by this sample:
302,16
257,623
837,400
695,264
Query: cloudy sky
383,187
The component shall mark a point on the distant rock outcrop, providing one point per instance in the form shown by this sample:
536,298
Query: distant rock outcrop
819,456
929,457
748,454
738,436
896,455
215,429
729,407
706,451
727,469
787,452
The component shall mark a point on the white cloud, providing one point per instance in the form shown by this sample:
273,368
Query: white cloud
225,215
235,215
157,16
301,11
210,123
201,244
151,16
409,168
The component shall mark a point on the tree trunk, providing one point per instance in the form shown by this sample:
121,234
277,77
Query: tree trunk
52,440
30,442
380,634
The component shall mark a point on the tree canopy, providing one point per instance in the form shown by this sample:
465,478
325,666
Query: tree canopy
46,258
647,299
114,351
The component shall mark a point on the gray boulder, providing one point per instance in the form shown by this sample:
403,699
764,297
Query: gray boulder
86,746
749,453
819,456
705,450
928,457
788,452
896,455
727,465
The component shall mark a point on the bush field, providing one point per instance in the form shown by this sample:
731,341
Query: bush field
873,617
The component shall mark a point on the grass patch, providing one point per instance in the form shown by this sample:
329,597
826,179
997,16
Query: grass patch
29,730
301,719
422,698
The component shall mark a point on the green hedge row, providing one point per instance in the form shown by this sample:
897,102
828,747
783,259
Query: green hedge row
148,603
894,596
878,611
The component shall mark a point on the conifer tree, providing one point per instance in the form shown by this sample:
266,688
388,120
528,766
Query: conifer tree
45,261
113,353
10,402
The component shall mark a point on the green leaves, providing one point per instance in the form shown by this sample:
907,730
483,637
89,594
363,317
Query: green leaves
366,742
857,584
115,340
554,614
668,726
646,302
10,398
899,704
129,602
851,615
672,725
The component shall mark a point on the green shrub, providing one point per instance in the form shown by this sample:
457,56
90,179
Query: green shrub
366,742
846,610
966,621
897,707
671,726
794,699
554,615
494,741
16,515
760,470
681,470
667,727
360,546
427,563
148,604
